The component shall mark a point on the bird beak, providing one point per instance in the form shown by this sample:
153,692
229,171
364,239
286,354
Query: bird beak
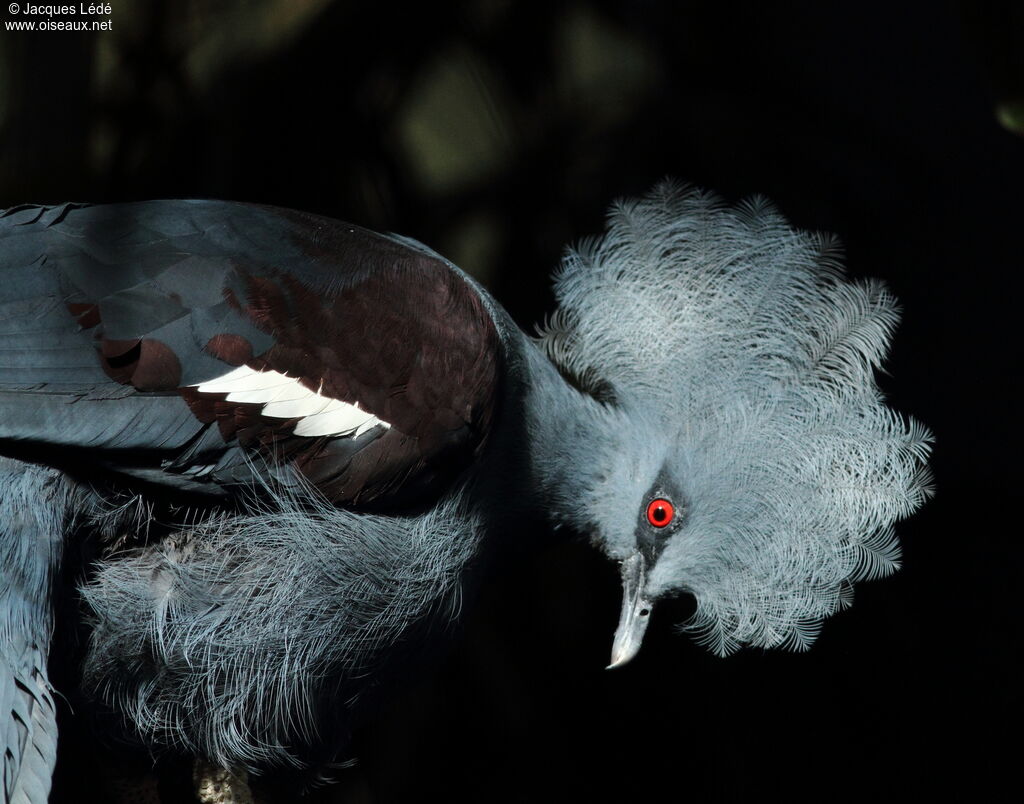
636,611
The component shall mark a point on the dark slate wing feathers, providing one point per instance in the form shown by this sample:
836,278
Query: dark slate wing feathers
121,327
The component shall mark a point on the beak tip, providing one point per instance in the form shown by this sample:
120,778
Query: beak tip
620,658
634,616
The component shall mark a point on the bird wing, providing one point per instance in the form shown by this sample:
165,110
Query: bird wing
198,343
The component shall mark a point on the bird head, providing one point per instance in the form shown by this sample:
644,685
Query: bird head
739,448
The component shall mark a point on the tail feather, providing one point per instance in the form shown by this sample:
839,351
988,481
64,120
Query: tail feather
34,502
30,730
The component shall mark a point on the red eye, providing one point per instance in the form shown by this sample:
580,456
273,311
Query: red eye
660,512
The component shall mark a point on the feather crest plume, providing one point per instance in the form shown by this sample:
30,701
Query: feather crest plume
742,339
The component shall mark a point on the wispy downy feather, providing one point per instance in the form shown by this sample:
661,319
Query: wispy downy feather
234,640
740,341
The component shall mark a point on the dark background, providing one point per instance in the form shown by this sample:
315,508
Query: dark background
498,131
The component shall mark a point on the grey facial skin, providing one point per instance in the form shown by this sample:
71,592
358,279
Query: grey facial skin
661,517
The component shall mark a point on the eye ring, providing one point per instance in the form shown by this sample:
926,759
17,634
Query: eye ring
660,512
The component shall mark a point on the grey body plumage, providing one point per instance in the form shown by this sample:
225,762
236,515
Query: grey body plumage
702,405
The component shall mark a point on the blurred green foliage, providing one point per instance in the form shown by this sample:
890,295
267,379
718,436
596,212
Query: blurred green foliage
373,115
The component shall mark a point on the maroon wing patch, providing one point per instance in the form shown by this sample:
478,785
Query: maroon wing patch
394,344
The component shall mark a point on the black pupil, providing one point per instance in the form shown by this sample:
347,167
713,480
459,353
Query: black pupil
659,514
